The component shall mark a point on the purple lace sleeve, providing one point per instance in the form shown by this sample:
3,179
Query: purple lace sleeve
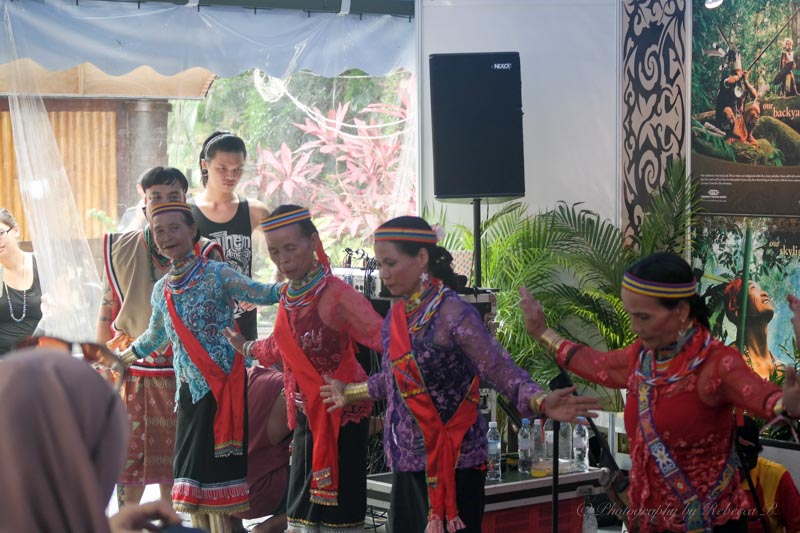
493,363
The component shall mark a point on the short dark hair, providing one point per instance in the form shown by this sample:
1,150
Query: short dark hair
307,227
163,176
440,261
219,141
667,267
7,218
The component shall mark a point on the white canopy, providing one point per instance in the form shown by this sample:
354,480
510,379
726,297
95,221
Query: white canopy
118,37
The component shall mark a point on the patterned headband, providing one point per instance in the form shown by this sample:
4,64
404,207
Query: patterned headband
170,207
284,219
426,236
658,290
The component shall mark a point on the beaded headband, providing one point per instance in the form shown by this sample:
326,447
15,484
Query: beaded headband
658,290
170,207
284,219
427,236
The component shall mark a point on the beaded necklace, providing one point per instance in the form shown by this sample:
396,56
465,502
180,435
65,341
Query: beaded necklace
154,255
421,306
184,273
24,304
302,293
700,343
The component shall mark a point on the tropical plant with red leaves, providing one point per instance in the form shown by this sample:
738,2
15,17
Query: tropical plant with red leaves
347,171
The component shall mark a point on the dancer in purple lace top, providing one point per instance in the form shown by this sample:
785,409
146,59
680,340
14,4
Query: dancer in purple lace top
436,350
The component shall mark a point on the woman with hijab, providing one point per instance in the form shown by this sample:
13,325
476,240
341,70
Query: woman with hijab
64,434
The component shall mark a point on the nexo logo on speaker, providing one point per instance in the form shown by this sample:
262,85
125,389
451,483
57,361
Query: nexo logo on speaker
501,66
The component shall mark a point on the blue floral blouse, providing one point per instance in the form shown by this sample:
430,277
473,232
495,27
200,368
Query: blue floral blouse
206,309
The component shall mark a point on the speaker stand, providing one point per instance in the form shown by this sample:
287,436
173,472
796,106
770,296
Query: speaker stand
476,239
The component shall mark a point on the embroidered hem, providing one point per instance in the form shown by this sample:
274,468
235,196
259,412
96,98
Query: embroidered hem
191,496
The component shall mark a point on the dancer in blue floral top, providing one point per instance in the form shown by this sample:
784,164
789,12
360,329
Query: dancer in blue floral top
192,305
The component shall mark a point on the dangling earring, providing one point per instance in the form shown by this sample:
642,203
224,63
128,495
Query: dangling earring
423,280
684,333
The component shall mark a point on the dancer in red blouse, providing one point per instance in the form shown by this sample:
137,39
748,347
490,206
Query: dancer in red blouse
319,319
682,388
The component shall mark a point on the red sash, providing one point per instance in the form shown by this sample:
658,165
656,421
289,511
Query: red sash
324,426
442,441
228,389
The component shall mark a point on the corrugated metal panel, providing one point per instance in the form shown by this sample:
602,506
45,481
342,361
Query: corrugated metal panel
88,145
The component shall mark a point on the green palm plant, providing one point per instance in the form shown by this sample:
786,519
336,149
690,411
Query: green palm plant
573,261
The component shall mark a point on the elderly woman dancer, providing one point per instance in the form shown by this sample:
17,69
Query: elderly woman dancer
192,305
436,351
683,386
319,318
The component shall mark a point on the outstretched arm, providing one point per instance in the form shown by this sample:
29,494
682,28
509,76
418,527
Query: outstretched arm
609,369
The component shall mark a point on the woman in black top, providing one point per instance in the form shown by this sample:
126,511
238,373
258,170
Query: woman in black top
20,293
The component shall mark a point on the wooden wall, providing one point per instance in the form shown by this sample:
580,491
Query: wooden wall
87,139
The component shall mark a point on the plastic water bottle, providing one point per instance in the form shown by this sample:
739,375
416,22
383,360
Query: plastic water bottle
493,467
524,447
548,440
565,442
537,440
589,519
580,445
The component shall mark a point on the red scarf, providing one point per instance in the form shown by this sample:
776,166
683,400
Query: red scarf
442,441
228,389
324,426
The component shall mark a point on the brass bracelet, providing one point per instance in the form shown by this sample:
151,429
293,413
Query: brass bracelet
551,341
354,392
537,402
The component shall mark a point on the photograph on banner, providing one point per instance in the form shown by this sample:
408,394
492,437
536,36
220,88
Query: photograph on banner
769,248
745,108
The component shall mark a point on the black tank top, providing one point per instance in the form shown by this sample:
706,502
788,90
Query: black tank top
12,331
235,238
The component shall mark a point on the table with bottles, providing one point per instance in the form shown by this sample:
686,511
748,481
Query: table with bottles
514,489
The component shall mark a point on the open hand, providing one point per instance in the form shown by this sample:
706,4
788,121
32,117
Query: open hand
236,339
535,322
138,518
333,394
564,406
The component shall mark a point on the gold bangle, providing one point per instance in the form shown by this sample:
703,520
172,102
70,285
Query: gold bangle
551,341
537,402
354,392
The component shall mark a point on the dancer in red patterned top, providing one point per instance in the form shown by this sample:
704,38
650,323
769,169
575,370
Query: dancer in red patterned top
683,386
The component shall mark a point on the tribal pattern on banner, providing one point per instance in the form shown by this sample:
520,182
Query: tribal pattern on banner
654,92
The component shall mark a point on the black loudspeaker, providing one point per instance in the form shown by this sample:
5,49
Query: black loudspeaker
476,119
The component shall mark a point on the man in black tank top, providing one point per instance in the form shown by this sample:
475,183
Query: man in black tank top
235,237
227,218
